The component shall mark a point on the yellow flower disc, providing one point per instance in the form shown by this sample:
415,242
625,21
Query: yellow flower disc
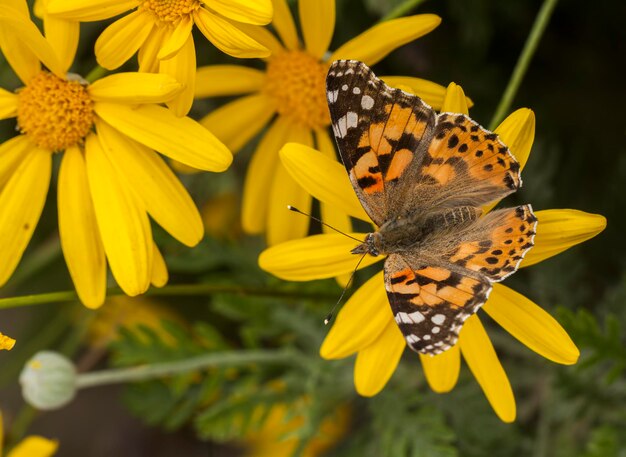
171,10
295,81
55,113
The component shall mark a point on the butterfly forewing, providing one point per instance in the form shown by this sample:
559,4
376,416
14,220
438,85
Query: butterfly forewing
381,133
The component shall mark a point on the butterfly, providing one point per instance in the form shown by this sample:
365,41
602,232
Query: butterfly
423,179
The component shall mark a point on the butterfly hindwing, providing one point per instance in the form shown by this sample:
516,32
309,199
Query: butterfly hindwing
465,165
496,244
381,132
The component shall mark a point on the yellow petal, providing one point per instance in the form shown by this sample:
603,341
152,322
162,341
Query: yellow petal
281,223
455,100
180,138
120,40
158,188
63,37
375,364
21,202
6,344
257,12
239,121
12,154
160,275
79,232
25,53
123,224
262,36
34,446
177,39
182,67
317,19
226,37
483,361
284,24
332,215
8,104
285,191
531,325
517,131
442,370
260,175
314,257
360,322
375,43
93,10
147,55
134,88
217,80
432,93
560,229
324,178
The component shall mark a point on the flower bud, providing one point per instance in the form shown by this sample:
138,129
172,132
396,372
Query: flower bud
48,380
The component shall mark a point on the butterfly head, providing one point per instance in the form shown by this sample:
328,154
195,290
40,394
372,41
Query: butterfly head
371,245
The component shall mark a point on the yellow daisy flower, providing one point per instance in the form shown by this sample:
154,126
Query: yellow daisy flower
273,438
161,31
31,446
110,178
290,95
366,326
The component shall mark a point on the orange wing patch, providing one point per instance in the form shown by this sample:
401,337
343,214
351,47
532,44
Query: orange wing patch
462,148
511,234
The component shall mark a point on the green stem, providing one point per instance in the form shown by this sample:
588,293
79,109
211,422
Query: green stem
148,372
96,73
20,425
541,22
175,290
402,9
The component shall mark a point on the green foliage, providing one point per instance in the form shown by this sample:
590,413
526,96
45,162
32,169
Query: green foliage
602,344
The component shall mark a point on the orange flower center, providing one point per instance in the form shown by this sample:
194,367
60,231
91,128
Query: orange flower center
55,113
171,10
295,81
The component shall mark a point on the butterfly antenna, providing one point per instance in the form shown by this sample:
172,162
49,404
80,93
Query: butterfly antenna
296,210
329,316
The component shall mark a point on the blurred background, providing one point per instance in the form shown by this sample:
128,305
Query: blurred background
575,85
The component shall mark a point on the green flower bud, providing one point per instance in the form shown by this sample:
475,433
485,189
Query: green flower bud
48,380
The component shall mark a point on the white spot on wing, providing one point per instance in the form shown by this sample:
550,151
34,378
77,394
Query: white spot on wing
356,91
344,87
367,102
436,329
413,318
412,338
426,337
438,319
332,96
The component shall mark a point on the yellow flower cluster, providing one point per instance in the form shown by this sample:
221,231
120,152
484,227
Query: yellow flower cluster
111,131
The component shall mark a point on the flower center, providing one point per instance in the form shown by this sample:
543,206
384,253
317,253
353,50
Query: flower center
171,10
55,113
295,80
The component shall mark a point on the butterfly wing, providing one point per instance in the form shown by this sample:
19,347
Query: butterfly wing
465,165
402,157
381,133
434,290
430,303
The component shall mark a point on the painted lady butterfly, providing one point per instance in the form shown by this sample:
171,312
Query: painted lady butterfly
423,177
